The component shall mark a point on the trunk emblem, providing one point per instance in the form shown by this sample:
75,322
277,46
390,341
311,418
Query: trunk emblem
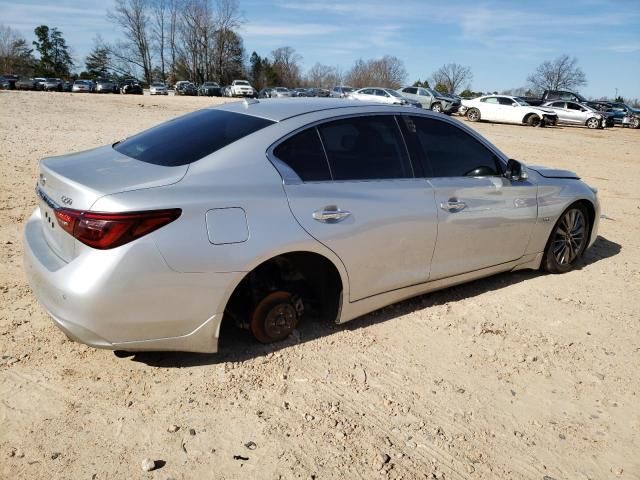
66,200
43,180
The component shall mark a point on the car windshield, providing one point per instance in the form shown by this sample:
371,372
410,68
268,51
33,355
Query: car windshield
520,101
189,138
241,82
80,82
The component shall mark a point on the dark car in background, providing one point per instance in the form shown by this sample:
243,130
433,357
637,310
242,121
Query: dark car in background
104,85
622,113
26,84
53,85
186,89
210,89
265,93
300,92
131,86
5,84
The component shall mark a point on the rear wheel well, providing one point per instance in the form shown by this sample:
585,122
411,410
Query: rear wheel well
311,277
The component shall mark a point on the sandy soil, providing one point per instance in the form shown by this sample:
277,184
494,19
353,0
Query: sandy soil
519,376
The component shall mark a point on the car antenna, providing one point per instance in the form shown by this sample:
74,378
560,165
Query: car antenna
250,101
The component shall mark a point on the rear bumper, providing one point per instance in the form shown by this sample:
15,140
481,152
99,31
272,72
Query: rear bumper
126,298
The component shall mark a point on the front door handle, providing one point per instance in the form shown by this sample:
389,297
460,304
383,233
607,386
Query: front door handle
330,214
453,205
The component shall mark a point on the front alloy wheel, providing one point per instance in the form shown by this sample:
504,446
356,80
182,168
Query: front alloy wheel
593,122
473,114
436,107
568,241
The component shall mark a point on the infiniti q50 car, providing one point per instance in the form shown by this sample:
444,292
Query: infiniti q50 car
266,213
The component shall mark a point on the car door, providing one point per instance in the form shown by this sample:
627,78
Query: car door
425,98
411,92
357,195
560,109
489,108
507,112
576,115
484,219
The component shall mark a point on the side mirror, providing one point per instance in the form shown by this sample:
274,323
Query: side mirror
514,104
516,171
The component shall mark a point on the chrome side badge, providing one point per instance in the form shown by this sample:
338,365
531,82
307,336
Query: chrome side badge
66,200
43,180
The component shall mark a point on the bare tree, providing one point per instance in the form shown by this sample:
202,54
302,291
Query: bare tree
227,19
452,76
562,73
133,17
173,10
15,54
159,28
387,71
323,76
286,63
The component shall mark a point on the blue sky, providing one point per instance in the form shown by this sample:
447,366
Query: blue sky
502,41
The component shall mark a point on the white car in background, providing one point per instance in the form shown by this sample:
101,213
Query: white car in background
378,95
158,88
241,88
508,109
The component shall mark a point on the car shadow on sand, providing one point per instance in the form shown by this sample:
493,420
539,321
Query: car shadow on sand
237,345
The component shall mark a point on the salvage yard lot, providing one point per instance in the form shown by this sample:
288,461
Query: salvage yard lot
522,375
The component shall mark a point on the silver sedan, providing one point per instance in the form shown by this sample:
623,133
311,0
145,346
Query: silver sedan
574,113
268,213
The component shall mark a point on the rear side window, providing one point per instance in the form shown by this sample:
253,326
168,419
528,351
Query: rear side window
365,148
190,137
304,155
445,150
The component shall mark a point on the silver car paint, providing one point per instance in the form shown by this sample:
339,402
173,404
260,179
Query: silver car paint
169,289
570,116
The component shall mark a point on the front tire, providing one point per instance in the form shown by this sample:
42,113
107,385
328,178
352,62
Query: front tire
533,121
473,115
635,123
593,123
436,107
568,240
274,317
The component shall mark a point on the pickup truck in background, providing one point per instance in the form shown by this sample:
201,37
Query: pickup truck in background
550,95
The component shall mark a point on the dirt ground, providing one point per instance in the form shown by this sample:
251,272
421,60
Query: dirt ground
519,376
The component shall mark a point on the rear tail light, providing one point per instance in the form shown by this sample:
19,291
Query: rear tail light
109,230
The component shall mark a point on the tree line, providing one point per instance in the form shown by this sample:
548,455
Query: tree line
199,40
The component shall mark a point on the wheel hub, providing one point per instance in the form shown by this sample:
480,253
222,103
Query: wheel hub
280,320
570,237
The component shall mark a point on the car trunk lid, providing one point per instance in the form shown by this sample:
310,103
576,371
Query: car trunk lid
77,180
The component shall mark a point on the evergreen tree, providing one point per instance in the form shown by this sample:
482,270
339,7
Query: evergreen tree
97,62
55,59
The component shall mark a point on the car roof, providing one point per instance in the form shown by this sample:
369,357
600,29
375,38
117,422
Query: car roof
281,109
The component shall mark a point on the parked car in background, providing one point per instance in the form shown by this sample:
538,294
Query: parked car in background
53,85
574,113
378,95
625,115
280,92
67,85
158,88
186,89
131,86
9,81
271,213
431,99
264,93
341,91
320,92
241,88
549,95
508,109
104,85
210,89
300,92
5,84
81,86
26,84
40,81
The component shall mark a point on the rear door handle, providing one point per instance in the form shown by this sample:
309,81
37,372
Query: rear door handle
453,205
330,214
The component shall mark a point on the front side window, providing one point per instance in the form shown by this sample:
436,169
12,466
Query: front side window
506,101
444,150
573,106
365,148
493,100
304,155
189,138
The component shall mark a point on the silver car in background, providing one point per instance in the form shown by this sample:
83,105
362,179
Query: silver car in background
158,88
341,91
104,85
431,99
81,86
280,92
267,213
575,113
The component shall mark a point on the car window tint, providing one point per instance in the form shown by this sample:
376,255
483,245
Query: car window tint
445,150
573,106
411,90
505,101
365,148
190,137
490,100
303,153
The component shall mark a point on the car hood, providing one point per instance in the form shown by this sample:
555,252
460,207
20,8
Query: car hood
549,172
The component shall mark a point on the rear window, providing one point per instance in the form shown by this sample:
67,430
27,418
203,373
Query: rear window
190,138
